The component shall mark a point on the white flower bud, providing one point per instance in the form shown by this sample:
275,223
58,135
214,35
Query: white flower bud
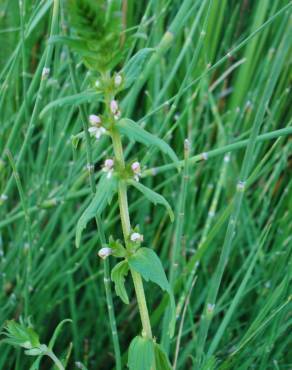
97,83
104,252
94,119
3,197
136,237
118,80
45,73
210,308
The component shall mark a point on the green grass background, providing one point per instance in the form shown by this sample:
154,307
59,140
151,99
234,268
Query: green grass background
220,76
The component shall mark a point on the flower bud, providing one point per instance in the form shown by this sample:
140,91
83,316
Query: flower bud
108,167
137,170
136,237
109,163
136,167
118,80
94,119
104,252
114,107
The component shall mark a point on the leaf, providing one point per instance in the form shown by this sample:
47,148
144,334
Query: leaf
147,263
76,138
134,66
161,359
19,335
118,250
141,354
153,196
57,332
118,277
136,133
34,352
36,364
75,43
76,99
105,190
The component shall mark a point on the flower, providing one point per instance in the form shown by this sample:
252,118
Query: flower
115,109
104,252
118,80
96,130
94,119
210,308
114,106
137,170
108,167
136,237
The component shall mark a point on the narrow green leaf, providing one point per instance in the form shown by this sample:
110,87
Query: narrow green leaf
141,354
147,263
72,42
57,332
136,133
119,272
153,197
76,99
135,65
76,138
161,359
105,190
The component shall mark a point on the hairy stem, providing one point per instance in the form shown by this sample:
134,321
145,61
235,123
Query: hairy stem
126,226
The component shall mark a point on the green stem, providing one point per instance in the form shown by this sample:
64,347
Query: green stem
126,226
55,359
106,279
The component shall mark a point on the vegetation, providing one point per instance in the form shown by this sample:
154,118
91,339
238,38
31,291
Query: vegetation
145,187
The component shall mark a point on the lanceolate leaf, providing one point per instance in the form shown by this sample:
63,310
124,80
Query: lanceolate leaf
57,331
76,99
135,65
141,354
153,196
105,190
119,272
161,359
147,263
136,133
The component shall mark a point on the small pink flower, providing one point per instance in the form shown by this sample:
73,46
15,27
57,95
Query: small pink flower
114,107
94,120
137,170
96,130
108,167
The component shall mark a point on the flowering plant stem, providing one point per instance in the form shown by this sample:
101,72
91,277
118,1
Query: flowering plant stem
126,226
55,359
